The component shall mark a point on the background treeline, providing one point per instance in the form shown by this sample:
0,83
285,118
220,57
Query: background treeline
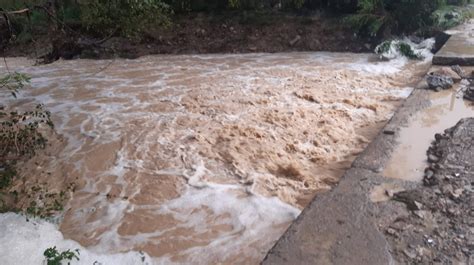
131,17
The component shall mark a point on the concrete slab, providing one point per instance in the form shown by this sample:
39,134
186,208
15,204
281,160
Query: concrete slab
336,228
459,49
380,150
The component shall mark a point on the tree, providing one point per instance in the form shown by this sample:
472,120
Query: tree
382,17
126,17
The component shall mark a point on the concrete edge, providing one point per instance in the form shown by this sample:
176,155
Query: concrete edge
338,227
379,151
447,60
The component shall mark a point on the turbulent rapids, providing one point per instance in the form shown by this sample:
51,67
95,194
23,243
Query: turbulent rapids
198,159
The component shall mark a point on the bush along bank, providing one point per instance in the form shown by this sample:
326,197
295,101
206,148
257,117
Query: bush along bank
25,135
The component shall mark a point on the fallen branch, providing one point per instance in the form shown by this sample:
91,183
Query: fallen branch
25,10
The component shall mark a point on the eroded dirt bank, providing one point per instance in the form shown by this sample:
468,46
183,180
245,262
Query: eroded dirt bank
202,33
207,159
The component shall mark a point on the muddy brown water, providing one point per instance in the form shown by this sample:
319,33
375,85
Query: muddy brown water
409,159
207,159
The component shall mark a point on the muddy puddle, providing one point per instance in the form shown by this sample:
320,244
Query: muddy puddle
207,159
409,159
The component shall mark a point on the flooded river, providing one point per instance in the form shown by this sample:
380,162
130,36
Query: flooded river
199,159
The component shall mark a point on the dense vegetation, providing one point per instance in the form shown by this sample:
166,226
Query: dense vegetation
131,17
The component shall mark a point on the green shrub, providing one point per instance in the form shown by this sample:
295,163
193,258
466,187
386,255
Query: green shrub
382,17
391,47
450,16
408,51
20,135
411,15
54,257
371,17
6,177
126,17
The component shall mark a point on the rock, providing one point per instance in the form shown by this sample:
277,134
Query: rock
469,94
448,177
443,82
295,40
453,211
456,193
432,158
458,70
447,189
429,174
439,136
410,197
446,71
420,214
409,254
430,241
391,232
417,205
389,193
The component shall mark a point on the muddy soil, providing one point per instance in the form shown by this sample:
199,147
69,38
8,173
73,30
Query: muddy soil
437,229
198,33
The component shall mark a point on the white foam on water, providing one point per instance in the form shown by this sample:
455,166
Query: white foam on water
402,93
423,49
379,67
250,215
24,242
250,219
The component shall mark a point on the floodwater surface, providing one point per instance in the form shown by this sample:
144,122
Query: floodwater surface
409,159
202,159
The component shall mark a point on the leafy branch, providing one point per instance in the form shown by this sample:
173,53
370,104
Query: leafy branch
54,257
14,82
20,134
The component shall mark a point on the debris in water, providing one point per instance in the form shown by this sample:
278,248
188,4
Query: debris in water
392,49
438,82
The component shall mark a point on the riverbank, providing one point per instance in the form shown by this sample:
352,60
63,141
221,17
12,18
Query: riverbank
203,33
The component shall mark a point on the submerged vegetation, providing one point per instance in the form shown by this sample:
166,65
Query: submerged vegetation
397,46
54,257
22,134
